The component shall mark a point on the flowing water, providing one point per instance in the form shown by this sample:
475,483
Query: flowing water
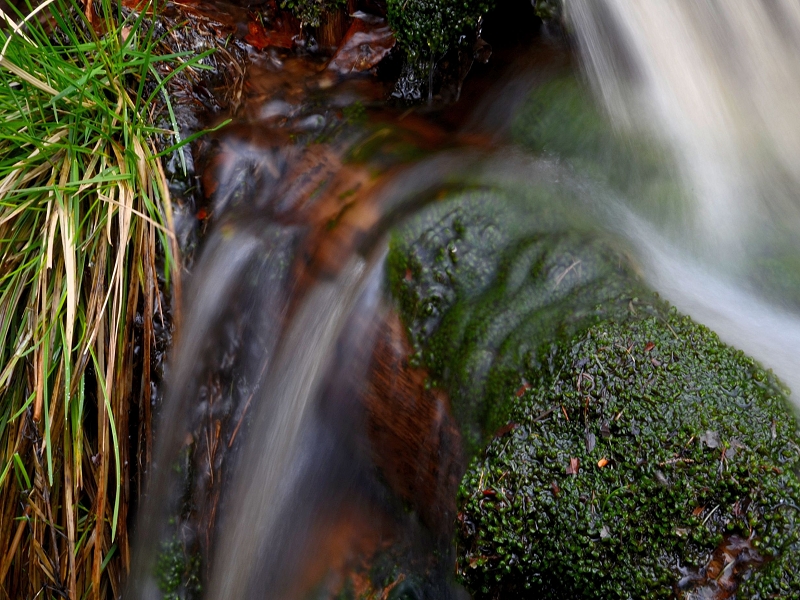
717,82
277,470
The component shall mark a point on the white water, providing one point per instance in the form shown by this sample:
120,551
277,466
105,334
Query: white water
266,487
718,81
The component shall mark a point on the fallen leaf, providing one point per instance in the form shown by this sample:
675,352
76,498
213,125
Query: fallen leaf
523,388
505,429
649,346
602,462
574,465
259,38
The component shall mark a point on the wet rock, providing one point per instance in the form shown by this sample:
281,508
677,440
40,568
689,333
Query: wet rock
365,44
683,489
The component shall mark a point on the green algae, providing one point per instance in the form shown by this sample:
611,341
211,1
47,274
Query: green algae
630,440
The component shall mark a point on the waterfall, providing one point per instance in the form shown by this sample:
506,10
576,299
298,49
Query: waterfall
299,436
717,83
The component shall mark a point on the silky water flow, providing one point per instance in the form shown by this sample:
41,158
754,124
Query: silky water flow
287,315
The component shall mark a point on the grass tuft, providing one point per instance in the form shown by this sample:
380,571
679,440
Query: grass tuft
85,243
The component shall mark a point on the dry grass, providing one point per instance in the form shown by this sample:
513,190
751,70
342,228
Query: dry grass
85,231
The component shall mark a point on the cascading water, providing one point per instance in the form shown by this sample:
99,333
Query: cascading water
291,443
717,82
272,469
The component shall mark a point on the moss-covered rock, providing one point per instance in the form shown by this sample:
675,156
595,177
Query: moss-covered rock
310,11
560,119
644,445
634,454
483,287
426,29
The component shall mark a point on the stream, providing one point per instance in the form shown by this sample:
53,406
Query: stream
300,444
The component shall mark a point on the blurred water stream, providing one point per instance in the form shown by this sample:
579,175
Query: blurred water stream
264,468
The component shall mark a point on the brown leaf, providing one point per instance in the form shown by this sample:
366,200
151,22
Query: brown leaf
574,465
259,38
523,388
505,429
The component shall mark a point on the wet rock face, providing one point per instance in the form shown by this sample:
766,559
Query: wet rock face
634,454
413,439
483,286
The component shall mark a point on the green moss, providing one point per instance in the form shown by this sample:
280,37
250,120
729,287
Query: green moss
528,319
310,11
426,29
549,9
483,285
177,571
698,444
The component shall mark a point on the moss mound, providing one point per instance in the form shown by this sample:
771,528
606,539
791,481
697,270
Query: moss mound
645,444
634,454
